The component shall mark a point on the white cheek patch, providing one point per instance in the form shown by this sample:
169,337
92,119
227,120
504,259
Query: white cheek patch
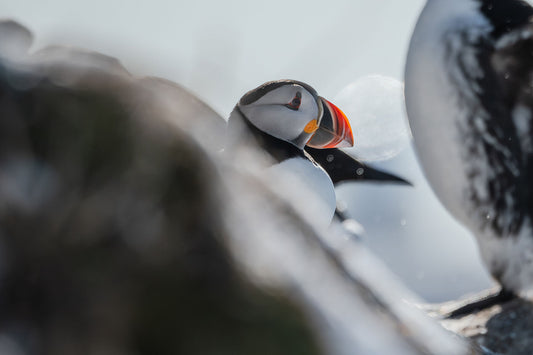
271,115
275,120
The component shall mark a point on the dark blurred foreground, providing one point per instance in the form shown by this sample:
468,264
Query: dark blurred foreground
122,231
109,227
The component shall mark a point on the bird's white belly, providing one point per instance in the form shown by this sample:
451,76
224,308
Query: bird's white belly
308,188
433,120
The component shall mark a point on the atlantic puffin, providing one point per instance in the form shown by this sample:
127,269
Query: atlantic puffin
469,100
302,132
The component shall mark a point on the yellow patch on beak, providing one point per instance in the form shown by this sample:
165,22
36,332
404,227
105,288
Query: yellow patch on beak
311,127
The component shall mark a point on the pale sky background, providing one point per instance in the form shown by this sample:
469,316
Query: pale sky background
221,49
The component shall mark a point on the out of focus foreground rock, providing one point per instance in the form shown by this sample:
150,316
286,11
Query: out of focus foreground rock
122,231
110,232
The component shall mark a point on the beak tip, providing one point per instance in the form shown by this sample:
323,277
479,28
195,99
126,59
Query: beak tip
350,141
346,143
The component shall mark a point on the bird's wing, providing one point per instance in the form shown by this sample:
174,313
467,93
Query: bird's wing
492,74
512,64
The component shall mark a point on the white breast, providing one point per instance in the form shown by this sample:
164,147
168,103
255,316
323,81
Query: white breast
432,98
307,187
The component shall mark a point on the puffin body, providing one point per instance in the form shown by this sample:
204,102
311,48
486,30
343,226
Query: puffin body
283,117
469,99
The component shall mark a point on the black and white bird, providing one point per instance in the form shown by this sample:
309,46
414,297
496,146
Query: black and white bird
301,131
469,98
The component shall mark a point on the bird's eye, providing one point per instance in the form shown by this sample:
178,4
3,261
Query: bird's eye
296,102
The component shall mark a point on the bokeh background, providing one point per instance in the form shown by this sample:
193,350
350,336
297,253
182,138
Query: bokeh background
219,50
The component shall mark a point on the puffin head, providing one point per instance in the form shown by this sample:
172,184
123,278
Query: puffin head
293,112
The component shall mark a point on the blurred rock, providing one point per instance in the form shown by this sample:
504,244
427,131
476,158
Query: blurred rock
122,231
110,231
15,39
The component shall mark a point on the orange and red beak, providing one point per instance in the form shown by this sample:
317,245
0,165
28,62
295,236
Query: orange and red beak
334,130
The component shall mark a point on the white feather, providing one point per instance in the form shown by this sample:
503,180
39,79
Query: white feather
308,187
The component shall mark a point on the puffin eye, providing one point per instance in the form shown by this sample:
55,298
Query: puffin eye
296,102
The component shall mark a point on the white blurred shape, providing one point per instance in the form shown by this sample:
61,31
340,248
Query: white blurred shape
374,105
